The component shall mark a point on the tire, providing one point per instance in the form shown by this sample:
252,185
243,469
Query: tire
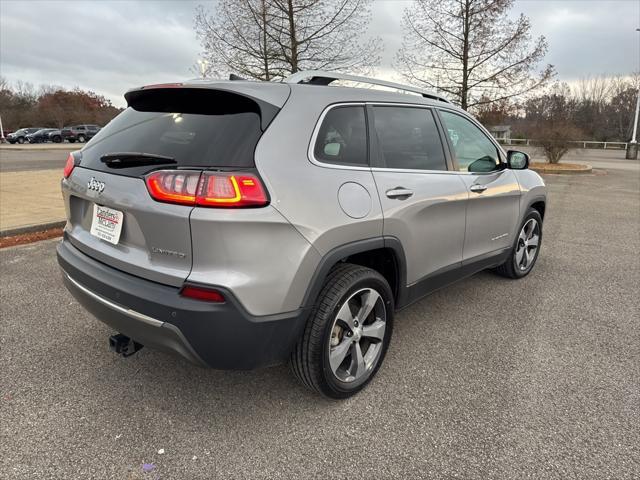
333,358
524,252
81,138
57,139
20,140
72,140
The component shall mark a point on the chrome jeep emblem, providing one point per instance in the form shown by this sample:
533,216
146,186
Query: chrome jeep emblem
95,185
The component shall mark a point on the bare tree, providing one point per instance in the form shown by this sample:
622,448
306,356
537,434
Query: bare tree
553,128
51,107
324,35
267,39
471,50
235,40
555,139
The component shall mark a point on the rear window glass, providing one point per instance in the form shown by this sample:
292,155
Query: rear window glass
342,138
215,136
409,139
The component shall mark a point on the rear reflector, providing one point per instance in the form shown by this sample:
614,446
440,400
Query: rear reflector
207,189
199,293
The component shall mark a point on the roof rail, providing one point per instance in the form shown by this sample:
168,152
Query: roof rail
320,77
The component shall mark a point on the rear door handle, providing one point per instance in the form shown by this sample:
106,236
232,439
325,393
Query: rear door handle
478,188
399,192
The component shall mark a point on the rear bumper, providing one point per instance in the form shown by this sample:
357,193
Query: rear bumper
220,335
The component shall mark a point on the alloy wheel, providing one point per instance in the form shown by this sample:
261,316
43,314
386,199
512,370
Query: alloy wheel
528,243
357,336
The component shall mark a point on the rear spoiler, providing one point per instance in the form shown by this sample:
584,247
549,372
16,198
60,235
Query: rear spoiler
210,99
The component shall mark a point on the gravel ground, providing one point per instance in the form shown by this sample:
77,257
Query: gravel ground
489,378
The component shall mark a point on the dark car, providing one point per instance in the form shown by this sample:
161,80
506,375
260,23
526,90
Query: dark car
20,135
55,136
41,136
81,133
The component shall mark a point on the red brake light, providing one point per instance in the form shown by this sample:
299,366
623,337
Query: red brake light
207,189
174,186
69,166
200,293
162,85
230,190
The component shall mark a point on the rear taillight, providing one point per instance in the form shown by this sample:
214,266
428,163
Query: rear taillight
69,166
202,293
231,190
207,189
174,186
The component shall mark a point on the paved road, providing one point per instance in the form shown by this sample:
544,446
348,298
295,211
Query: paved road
490,378
14,160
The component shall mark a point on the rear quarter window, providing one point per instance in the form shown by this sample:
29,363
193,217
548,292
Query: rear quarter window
342,137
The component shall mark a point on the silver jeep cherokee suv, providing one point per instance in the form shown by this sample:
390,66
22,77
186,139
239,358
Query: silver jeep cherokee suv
242,224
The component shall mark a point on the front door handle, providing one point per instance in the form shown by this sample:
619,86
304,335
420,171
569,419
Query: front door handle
400,193
477,188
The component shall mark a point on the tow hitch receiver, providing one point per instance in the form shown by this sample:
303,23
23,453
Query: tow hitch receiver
123,345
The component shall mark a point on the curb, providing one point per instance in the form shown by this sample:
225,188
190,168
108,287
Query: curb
547,168
32,228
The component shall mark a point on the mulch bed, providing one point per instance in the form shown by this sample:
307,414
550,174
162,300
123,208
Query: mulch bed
30,237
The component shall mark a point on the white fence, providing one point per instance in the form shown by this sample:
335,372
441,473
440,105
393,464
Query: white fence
578,143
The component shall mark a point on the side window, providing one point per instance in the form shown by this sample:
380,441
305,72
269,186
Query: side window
342,138
473,150
408,138
81,128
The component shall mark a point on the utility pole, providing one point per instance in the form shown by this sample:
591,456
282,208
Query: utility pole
632,148
1,132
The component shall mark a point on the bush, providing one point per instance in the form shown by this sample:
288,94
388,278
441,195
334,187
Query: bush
554,139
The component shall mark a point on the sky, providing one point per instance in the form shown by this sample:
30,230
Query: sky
111,46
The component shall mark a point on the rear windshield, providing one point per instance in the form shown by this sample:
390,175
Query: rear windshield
202,129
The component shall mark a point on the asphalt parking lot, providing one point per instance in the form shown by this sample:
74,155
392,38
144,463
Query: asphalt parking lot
490,378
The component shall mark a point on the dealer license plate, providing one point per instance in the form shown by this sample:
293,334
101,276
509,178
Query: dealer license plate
107,223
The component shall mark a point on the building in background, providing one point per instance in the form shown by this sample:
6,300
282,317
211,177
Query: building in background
501,133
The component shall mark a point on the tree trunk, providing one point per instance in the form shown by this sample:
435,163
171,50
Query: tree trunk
265,51
292,38
465,57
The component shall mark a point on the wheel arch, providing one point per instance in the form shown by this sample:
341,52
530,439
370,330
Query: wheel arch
382,254
540,205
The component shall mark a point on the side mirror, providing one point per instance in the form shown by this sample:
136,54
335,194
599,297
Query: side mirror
517,160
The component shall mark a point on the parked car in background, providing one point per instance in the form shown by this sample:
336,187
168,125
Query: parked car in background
55,136
20,135
40,136
81,133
